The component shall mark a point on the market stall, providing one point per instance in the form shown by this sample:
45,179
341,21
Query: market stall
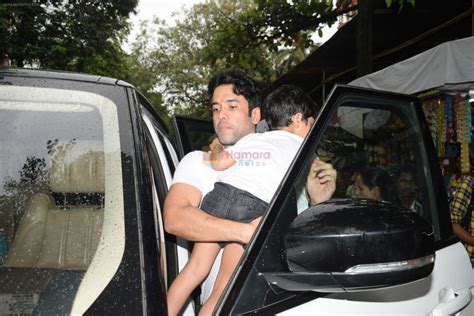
443,78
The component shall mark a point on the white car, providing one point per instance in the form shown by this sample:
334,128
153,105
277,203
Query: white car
87,163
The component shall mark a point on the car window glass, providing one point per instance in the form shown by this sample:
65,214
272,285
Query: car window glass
378,154
61,199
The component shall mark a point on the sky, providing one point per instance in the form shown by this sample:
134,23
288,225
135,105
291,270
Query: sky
164,9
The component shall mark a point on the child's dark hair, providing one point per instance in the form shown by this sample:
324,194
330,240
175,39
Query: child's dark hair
242,85
287,100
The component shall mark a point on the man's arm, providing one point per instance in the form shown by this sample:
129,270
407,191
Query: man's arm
463,234
183,218
459,207
321,182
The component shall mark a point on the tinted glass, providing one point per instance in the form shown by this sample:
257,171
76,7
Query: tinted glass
378,156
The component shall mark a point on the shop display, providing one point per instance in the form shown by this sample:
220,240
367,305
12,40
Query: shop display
450,121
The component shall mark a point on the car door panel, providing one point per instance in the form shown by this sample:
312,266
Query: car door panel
395,122
192,134
417,298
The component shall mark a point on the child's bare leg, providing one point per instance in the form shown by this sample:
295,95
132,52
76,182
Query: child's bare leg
230,259
196,270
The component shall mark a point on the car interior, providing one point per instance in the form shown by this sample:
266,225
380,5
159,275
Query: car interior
360,137
61,197
59,231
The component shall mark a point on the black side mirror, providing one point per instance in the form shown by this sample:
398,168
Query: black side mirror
350,245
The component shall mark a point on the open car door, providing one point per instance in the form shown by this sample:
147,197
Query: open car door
352,255
192,134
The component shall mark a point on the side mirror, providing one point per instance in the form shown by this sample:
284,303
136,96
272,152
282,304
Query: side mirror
351,245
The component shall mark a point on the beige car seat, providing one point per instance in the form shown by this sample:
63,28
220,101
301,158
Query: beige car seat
63,236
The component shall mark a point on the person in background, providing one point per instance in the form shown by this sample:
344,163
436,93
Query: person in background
373,183
461,209
407,189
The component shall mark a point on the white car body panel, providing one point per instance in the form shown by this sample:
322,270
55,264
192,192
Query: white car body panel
417,298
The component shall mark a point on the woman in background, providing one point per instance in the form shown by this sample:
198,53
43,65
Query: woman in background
374,184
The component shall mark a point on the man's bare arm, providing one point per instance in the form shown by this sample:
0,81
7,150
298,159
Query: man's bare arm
184,219
463,234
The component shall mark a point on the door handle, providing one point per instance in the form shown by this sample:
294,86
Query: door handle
451,302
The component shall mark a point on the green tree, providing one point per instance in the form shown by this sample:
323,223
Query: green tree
82,36
265,38
184,56
209,37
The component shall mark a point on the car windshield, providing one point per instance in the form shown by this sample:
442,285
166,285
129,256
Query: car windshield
59,182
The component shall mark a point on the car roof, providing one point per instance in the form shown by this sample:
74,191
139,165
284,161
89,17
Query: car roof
62,75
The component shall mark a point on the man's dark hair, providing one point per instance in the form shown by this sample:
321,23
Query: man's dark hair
242,85
408,168
287,100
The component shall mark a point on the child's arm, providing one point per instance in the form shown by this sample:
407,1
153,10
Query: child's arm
220,158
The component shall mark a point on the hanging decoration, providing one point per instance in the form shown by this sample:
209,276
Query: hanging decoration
462,109
450,121
449,118
430,110
441,131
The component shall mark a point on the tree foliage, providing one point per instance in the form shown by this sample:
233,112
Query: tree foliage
265,38
82,36
171,65
217,35
183,57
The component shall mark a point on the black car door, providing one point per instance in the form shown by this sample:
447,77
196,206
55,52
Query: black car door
192,134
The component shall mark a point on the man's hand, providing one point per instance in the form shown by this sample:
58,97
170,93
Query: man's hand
321,181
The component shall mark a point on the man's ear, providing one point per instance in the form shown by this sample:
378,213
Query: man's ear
256,115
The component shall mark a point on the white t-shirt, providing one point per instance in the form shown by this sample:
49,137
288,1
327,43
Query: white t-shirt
262,161
195,170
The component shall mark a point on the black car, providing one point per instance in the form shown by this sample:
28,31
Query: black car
87,163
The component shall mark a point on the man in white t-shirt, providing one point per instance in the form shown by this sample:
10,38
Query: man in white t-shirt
238,99
252,170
